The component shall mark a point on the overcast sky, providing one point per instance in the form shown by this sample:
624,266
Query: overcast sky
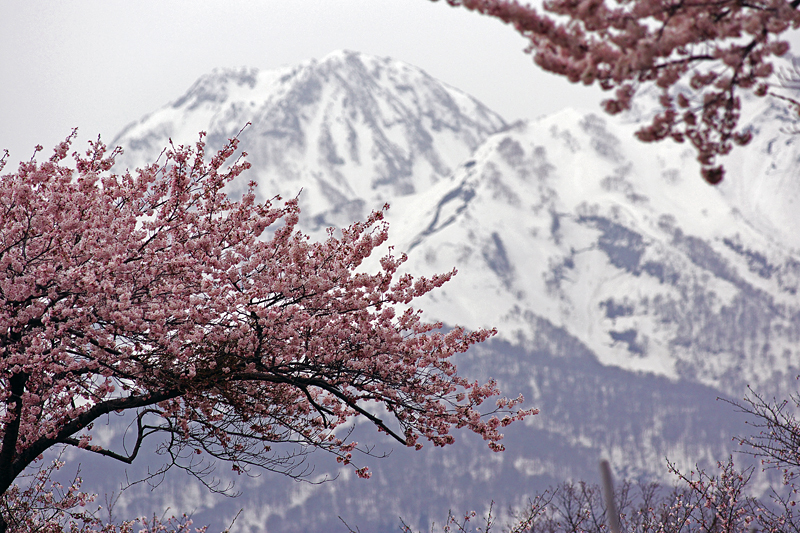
101,64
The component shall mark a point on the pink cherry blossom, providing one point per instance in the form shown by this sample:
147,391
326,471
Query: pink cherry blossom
214,322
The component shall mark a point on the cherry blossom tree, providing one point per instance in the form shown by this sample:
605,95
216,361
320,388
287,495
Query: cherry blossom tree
699,55
216,324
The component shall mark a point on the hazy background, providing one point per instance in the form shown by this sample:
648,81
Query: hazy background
101,64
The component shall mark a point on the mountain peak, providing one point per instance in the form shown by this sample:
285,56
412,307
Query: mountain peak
213,87
353,131
344,55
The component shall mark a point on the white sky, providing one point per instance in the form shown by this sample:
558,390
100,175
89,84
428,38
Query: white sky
101,64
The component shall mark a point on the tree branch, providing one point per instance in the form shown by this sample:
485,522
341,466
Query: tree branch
140,435
29,455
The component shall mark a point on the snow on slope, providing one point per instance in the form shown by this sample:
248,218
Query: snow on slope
762,176
569,219
352,131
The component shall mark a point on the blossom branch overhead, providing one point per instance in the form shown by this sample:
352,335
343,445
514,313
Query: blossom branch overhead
699,55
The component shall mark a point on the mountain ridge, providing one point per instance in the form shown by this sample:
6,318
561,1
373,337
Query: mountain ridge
619,223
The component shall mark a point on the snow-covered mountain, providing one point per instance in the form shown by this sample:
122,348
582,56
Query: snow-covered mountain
628,294
352,131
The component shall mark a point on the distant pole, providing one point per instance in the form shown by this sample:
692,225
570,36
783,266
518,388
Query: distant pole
612,515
